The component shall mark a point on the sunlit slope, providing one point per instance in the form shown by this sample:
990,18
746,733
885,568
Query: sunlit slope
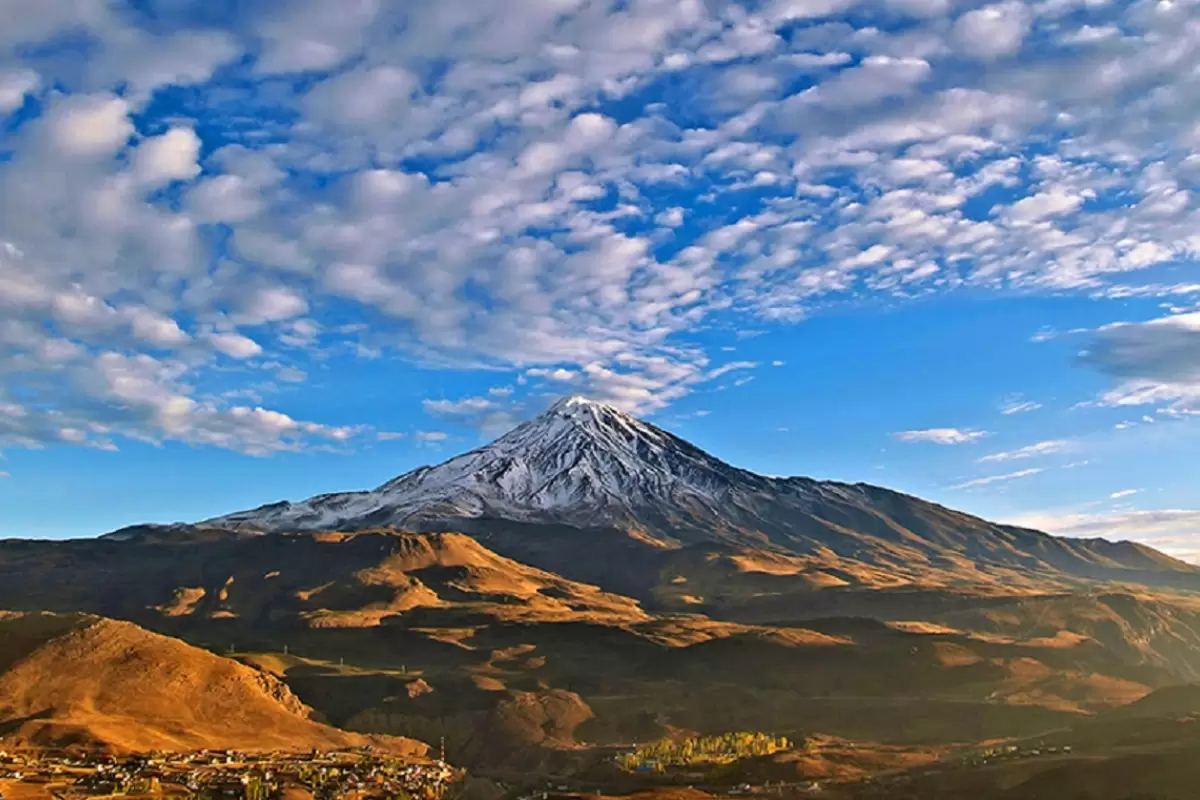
96,681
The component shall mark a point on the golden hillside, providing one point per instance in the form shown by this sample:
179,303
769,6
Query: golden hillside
76,679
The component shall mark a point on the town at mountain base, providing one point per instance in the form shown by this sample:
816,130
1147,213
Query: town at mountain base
590,589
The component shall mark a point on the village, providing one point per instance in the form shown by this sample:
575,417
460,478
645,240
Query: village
208,775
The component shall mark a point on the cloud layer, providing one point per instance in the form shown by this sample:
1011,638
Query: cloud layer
195,206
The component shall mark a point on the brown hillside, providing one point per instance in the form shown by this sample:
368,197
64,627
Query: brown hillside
95,681
430,635
321,580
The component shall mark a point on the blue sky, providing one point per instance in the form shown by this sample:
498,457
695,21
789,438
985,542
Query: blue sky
254,251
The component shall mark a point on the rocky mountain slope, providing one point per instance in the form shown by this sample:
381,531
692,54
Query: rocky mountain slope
586,465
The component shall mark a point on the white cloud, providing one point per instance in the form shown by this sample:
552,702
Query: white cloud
170,156
235,345
670,217
874,79
147,62
1123,493
271,304
792,10
302,333
992,31
1019,406
225,198
1046,448
362,98
559,374
14,86
1043,205
733,366
313,35
431,436
291,375
813,60
1180,399
145,398
468,405
89,125
990,479
156,329
482,413
72,435
1088,34
519,233
943,436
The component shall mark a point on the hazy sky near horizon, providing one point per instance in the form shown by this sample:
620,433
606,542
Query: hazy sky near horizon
258,250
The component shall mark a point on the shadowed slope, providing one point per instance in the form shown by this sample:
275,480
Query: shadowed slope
352,580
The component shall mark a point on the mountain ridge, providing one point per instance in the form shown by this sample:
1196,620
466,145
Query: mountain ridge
586,465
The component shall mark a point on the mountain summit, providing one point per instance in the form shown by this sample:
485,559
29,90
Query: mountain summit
580,462
587,465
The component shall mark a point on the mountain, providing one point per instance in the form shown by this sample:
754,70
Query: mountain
82,680
580,463
592,578
583,465
586,581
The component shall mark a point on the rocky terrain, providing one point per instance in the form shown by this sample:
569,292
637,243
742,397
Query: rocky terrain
585,583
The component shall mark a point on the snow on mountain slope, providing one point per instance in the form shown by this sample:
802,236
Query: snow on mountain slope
589,465
580,462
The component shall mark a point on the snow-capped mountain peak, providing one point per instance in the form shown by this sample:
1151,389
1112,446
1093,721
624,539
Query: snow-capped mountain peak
591,466
580,462
576,421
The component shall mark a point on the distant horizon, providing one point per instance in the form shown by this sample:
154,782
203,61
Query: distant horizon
567,399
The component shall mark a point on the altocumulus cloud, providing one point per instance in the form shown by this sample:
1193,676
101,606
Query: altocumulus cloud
944,436
499,185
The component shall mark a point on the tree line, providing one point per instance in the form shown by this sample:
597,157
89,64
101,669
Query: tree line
694,750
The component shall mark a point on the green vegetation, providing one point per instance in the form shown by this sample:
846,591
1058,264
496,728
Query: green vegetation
258,789
702,750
